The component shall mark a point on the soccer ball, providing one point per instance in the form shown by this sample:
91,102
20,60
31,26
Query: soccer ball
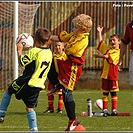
26,40
98,104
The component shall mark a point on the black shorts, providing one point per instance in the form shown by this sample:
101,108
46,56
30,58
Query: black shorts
67,95
28,94
53,75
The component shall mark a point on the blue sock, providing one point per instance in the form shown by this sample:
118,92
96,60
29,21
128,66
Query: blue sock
31,115
6,98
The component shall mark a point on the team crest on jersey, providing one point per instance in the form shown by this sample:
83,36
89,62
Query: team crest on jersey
25,59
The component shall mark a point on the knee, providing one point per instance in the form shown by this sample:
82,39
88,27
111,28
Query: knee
28,109
113,93
105,96
7,91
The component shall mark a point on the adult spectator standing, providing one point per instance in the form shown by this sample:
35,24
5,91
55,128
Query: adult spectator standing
127,38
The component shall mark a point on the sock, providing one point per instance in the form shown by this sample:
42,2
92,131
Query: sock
60,102
31,115
51,102
70,109
114,102
105,102
50,98
6,98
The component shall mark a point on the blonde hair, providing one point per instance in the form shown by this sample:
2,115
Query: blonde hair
84,21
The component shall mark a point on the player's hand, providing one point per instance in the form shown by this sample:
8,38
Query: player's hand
119,65
19,47
99,28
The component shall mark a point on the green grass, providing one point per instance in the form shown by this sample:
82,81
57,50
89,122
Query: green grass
16,119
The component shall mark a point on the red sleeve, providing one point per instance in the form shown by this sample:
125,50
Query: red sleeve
99,44
126,38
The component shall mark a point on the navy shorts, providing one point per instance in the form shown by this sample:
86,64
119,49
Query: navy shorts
28,94
67,95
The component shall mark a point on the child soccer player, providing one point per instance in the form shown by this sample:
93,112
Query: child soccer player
57,54
37,62
71,68
109,74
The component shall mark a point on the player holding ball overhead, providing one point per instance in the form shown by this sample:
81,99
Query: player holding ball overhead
109,74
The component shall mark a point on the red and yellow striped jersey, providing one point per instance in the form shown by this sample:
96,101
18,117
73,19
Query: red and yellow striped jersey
109,68
76,45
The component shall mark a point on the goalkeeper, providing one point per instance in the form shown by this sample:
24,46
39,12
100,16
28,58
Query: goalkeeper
37,62
71,68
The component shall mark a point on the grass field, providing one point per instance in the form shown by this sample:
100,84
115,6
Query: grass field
16,119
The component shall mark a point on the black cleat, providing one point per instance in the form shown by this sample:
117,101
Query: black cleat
114,113
48,110
59,111
106,113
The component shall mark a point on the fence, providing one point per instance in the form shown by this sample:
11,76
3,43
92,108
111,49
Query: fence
57,16
113,16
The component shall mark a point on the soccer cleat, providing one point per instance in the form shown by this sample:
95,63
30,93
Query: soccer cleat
1,119
106,113
48,110
52,91
72,124
59,110
114,112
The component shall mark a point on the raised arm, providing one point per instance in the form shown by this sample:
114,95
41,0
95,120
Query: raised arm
100,29
19,49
